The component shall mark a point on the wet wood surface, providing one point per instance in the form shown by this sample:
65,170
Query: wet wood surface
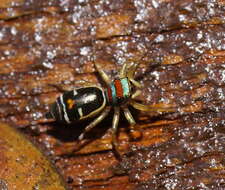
180,48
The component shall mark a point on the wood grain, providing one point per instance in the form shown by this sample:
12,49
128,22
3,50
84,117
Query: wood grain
180,48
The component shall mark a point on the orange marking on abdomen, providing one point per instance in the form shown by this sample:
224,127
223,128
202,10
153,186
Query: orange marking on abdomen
70,103
119,88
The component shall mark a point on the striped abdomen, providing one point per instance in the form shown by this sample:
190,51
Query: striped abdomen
78,104
118,92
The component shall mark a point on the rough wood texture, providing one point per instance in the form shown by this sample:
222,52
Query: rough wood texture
180,46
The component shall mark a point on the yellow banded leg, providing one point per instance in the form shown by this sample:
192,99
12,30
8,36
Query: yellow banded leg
131,70
128,116
135,83
137,93
142,107
95,122
115,122
123,71
104,76
134,131
130,75
149,108
84,83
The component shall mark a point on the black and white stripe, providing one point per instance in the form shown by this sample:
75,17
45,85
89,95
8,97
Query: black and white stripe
78,104
64,111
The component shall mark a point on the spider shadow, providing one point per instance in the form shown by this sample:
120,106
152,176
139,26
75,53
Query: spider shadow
69,133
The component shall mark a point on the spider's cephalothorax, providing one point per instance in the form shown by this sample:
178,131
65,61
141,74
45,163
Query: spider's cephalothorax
91,100
118,92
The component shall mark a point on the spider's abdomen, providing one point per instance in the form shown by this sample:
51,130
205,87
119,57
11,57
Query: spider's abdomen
78,104
118,92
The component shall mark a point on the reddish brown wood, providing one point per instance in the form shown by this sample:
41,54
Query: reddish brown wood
181,50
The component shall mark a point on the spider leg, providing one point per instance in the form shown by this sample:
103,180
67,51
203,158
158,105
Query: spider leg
130,75
114,129
84,83
128,116
135,83
104,76
95,122
132,70
135,94
133,128
123,71
153,108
